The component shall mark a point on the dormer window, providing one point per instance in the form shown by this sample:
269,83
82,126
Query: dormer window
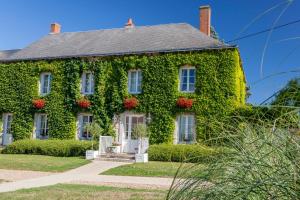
45,83
187,79
87,83
135,81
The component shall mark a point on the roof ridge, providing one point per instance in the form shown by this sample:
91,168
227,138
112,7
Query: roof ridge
108,29
5,50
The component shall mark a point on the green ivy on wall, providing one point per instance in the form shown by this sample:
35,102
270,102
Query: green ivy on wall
220,88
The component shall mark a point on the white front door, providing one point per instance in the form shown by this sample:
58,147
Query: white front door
7,120
130,144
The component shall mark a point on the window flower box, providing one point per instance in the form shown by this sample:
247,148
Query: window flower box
39,103
183,102
130,103
84,103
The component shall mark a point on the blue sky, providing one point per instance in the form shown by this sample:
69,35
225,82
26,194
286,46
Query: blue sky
23,22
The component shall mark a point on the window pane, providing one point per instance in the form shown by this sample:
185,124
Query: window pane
126,127
181,128
184,87
191,79
192,87
184,72
132,84
8,124
92,83
139,84
186,129
87,82
192,72
49,82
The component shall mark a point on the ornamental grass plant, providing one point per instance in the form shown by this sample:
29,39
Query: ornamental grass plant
264,161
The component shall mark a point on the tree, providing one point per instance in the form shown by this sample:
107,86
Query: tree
140,132
289,95
94,130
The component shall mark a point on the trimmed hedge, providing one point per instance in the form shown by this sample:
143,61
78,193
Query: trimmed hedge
63,148
184,153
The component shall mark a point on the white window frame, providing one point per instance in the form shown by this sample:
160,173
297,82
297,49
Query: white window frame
136,83
42,82
188,79
81,126
37,133
91,84
5,123
193,128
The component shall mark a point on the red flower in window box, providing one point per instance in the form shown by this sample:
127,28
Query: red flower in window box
183,102
39,103
84,103
130,103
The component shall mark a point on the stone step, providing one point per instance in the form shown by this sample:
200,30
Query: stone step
116,159
118,155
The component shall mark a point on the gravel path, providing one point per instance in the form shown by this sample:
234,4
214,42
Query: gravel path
87,174
16,175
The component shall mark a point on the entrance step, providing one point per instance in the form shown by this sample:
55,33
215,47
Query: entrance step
117,157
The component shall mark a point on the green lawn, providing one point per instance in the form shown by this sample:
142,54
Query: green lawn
40,163
87,192
156,169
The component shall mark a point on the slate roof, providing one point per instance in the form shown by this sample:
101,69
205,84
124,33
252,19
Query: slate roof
7,53
121,41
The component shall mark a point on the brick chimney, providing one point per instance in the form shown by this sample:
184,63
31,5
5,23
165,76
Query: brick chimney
205,14
55,28
129,23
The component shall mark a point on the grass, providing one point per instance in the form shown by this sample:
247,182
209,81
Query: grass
40,163
87,192
150,169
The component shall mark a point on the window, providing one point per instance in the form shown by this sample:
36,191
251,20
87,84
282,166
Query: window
7,120
135,81
45,83
186,129
41,131
187,79
87,83
84,119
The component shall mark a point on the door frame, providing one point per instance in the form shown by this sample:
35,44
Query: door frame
123,133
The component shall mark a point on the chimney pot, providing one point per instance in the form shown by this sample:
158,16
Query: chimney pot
205,15
55,28
129,23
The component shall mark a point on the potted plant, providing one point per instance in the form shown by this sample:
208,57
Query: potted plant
83,103
38,103
94,130
115,148
130,103
140,132
183,102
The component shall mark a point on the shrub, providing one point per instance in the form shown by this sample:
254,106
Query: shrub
63,148
179,153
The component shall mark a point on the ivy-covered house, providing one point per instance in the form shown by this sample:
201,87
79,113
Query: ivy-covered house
175,78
